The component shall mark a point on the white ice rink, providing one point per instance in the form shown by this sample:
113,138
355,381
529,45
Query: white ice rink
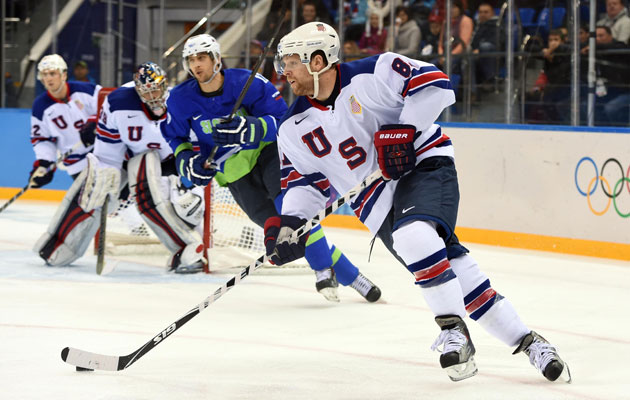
274,337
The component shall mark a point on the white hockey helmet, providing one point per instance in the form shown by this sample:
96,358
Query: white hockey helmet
51,62
203,43
306,40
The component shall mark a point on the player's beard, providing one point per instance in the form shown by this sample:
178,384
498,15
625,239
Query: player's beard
303,89
203,76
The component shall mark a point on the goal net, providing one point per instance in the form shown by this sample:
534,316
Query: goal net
230,238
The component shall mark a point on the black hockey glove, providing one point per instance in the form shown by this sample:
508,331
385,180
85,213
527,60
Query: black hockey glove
240,130
396,152
87,133
192,166
280,248
42,173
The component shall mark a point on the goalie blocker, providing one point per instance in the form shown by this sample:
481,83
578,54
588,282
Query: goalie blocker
170,212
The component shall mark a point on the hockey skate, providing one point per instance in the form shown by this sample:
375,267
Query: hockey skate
544,357
458,350
326,284
188,260
366,288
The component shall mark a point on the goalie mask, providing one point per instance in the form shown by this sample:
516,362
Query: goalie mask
304,41
151,86
203,43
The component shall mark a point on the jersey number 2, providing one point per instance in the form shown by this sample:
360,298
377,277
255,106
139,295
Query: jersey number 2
320,146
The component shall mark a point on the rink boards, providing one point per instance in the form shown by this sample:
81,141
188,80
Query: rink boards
551,188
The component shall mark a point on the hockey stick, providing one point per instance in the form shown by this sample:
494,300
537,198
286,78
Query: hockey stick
30,182
251,77
100,253
87,360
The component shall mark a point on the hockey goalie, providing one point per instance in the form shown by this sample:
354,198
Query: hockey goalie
130,150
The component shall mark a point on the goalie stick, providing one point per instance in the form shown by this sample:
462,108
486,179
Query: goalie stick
87,360
100,253
28,185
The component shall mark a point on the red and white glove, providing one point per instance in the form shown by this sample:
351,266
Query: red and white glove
396,152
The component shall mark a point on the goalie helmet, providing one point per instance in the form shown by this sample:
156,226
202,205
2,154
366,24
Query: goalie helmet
148,78
203,43
51,62
304,41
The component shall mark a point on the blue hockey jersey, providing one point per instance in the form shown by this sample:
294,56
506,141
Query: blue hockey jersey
191,109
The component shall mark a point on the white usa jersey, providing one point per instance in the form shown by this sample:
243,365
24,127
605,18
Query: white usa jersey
334,145
55,124
126,128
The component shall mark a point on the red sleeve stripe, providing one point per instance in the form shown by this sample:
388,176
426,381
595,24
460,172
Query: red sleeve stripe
293,176
425,79
107,134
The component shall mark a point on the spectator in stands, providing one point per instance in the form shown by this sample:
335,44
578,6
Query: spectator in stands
272,20
10,99
311,14
613,71
430,42
461,30
617,20
81,72
355,12
266,69
374,38
351,50
405,37
557,68
583,36
485,39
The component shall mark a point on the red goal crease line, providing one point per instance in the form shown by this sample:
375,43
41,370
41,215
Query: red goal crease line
582,247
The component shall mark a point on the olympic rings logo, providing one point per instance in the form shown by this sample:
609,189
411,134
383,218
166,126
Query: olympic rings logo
599,177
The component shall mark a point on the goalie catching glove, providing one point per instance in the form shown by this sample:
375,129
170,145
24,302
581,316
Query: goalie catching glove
240,130
192,166
280,247
42,173
100,182
396,151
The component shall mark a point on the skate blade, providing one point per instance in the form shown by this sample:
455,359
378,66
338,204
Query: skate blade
462,371
330,294
565,376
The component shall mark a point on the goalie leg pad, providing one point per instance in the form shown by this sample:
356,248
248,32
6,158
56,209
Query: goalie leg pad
145,183
71,229
188,260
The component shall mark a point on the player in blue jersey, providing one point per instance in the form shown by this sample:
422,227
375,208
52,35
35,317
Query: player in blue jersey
352,119
247,157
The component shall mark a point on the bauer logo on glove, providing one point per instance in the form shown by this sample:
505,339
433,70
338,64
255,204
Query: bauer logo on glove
396,151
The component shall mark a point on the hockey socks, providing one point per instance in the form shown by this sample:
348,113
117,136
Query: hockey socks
424,254
320,256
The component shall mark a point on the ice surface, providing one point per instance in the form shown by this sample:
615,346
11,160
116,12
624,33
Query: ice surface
274,337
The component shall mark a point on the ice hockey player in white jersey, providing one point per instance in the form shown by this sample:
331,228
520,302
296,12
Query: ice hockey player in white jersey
128,127
63,119
354,118
247,156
